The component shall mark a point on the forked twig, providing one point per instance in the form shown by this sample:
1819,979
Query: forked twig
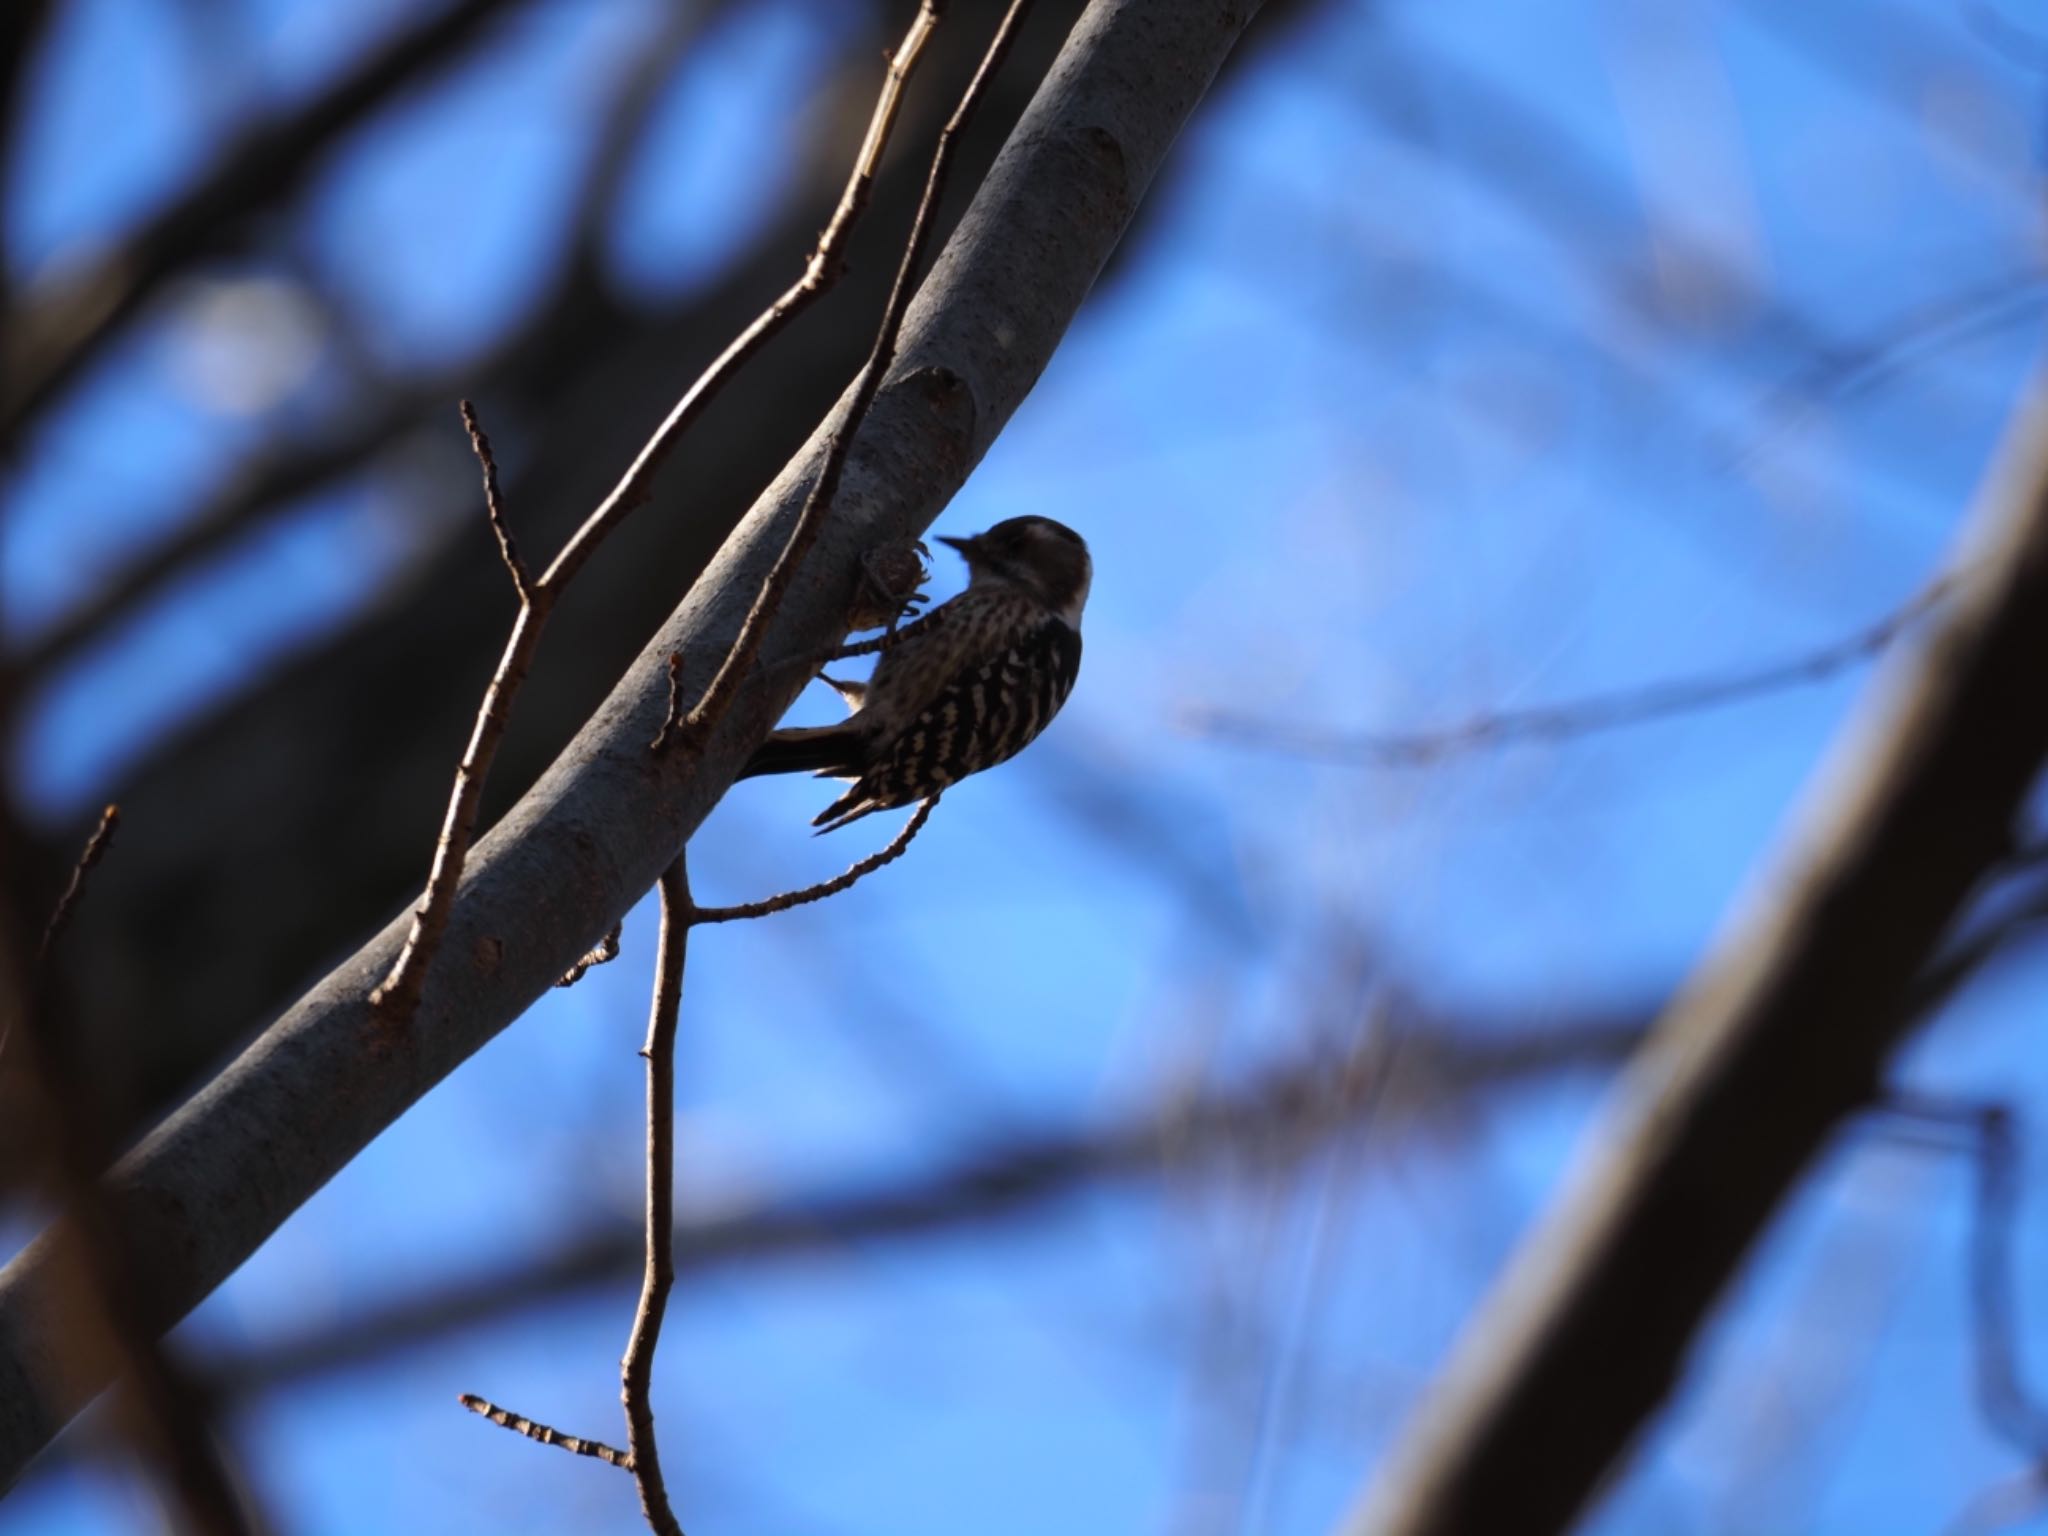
832,887
398,995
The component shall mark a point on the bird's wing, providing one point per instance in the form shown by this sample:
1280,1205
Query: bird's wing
981,717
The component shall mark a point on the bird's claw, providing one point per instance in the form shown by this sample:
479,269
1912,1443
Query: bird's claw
892,578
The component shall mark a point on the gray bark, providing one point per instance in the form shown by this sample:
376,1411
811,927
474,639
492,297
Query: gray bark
203,1191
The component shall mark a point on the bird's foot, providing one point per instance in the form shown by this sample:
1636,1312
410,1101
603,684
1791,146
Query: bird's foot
891,587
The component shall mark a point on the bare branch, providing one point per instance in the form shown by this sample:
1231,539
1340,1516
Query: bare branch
494,503
397,996
1782,1032
1583,717
672,717
825,888
533,1429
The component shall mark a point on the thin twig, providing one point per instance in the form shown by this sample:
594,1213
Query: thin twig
60,916
398,995
636,1370
725,684
832,887
95,849
533,1429
606,952
1583,717
108,1305
494,501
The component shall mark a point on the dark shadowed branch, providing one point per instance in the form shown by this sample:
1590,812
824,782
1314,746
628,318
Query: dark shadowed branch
1783,1031
108,1315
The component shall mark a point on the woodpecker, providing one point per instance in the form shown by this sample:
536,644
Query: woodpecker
960,689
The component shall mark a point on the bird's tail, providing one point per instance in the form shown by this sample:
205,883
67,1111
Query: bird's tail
820,749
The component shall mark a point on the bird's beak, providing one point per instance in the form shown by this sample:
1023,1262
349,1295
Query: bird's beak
968,548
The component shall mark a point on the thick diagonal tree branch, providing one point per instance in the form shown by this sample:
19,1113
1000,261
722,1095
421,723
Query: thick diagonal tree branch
198,1196
1782,1031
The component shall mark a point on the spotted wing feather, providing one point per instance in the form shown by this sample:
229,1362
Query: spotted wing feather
980,718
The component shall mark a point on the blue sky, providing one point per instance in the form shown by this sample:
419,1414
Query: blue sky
1362,439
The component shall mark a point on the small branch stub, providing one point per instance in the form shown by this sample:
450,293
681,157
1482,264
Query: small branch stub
546,1434
672,717
606,952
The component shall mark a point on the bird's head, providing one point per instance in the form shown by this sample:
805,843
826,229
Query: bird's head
1045,558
